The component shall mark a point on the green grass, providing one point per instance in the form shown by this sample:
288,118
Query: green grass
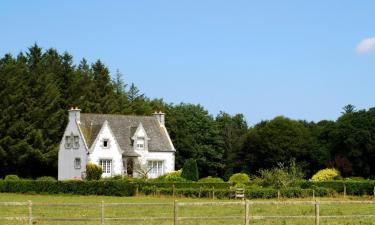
134,211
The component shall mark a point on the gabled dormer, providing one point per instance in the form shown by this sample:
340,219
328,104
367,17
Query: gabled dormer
140,139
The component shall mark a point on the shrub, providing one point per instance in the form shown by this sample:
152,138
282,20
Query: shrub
239,179
281,176
93,172
46,178
190,170
11,177
326,175
210,179
174,176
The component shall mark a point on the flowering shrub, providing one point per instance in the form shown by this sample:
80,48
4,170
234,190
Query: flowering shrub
326,174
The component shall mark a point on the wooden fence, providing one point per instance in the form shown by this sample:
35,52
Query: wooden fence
247,217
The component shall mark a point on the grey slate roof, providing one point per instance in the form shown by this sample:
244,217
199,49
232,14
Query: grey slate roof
122,127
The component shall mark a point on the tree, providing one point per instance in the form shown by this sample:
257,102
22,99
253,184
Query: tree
190,170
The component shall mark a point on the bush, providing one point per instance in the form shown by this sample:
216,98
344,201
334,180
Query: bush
281,176
174,176
239,178
46,178
326,175
93,171
210,179
11,177
190,170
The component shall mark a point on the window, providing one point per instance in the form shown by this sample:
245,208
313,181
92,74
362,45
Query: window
155,168
76,142
77,163
105,143
140,143
106,165
68,141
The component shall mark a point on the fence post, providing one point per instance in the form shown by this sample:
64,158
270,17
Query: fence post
30,213
175,212
278,193
247,212
374,191
136,191
313,194
213,192
344,190
173,190
102,213
317,209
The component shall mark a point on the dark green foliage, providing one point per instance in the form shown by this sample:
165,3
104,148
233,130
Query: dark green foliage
190,170
93,172
364,187
46,178
111,188
239,178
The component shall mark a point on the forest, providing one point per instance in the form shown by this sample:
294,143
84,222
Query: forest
38,86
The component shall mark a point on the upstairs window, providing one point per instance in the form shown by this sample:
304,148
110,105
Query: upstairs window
76,141
105,143
140,143
68,142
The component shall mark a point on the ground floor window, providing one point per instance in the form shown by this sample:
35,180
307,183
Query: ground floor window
155,168
106,165
77,163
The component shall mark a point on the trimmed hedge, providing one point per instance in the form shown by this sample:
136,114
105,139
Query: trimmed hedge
111,188
365,187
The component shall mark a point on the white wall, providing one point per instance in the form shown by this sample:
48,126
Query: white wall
112,152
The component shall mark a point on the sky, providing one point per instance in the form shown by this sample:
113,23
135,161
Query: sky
301,59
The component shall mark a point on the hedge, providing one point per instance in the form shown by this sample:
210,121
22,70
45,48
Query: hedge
363,187
111,188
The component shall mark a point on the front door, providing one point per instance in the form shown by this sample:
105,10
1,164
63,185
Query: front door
129,167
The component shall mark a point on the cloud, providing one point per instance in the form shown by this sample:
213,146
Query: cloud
366,45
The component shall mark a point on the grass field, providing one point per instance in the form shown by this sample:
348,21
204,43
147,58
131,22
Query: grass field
135,211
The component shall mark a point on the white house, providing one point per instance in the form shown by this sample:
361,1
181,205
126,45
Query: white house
121,144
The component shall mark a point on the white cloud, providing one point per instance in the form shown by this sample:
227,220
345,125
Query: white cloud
366,45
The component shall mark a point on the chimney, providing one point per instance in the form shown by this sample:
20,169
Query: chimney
74,114
160,117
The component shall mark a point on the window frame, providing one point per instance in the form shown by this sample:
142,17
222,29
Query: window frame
157,167
107,141
68,142
107,166
76,141
77,166
140,146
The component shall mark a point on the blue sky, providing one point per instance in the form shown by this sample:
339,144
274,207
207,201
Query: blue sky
301,59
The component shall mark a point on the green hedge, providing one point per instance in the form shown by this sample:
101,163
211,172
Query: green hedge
111,188
184,185
363,187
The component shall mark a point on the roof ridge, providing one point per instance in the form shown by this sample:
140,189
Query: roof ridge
112,114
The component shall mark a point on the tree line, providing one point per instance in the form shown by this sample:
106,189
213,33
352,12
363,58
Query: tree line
37,87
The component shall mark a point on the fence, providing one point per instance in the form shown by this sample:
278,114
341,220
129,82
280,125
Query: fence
176,205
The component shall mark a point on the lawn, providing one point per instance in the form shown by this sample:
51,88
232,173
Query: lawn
166,210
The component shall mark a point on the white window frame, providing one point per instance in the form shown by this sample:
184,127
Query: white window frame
140,144
106,165
76,164
155,167
75,141
68,142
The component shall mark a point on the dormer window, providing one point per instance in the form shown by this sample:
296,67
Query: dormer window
140,143
68,142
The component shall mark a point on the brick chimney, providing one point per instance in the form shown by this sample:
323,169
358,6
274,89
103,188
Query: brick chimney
74,114
160,117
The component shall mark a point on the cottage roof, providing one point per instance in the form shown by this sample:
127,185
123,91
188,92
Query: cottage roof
123,127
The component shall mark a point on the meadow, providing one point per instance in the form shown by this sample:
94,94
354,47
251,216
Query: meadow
166,210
